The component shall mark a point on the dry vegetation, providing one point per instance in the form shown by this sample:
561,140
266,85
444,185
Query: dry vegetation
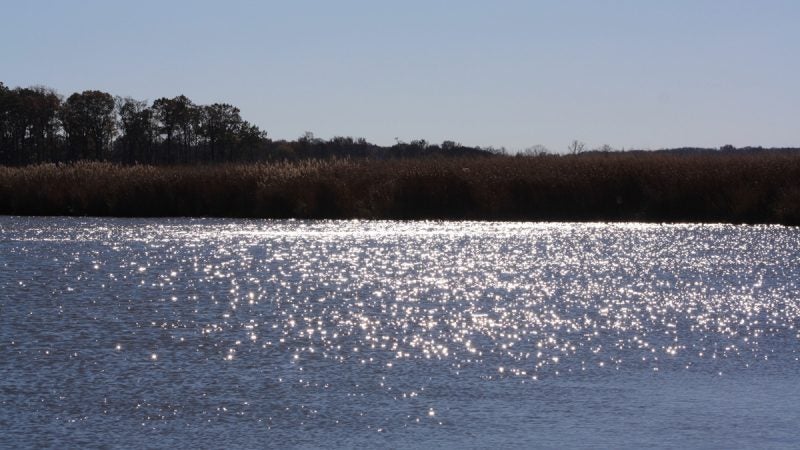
752,188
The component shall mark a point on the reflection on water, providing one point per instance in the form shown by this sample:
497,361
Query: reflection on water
258,333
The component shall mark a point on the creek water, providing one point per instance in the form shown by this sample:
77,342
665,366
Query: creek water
247,334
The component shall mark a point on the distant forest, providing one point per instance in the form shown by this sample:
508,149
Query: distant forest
37,125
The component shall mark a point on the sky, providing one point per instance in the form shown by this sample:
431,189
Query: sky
631,74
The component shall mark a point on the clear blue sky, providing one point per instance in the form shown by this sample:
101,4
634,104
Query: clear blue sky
638,73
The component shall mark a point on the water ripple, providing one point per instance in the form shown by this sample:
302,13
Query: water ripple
320,333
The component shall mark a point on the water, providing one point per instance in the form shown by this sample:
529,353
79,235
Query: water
212,333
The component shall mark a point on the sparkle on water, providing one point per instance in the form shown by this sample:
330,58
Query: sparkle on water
180,331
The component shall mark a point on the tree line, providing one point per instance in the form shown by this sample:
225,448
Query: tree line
37,125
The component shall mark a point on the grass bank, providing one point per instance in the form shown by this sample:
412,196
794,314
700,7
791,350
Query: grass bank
751,188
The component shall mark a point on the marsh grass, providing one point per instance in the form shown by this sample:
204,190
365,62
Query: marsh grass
749,188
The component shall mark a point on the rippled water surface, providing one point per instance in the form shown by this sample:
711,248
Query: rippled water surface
211,333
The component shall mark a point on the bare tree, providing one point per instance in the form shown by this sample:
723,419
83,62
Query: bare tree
576,147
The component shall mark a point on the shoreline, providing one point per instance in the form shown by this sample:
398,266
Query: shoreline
543,223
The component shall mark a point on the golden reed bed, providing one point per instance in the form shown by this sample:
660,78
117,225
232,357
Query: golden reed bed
657,187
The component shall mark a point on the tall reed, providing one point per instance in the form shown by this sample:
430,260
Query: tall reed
748,188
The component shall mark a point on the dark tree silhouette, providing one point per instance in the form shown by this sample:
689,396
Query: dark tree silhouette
37,126
90,124
138,131
178,121
220,125
29,124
